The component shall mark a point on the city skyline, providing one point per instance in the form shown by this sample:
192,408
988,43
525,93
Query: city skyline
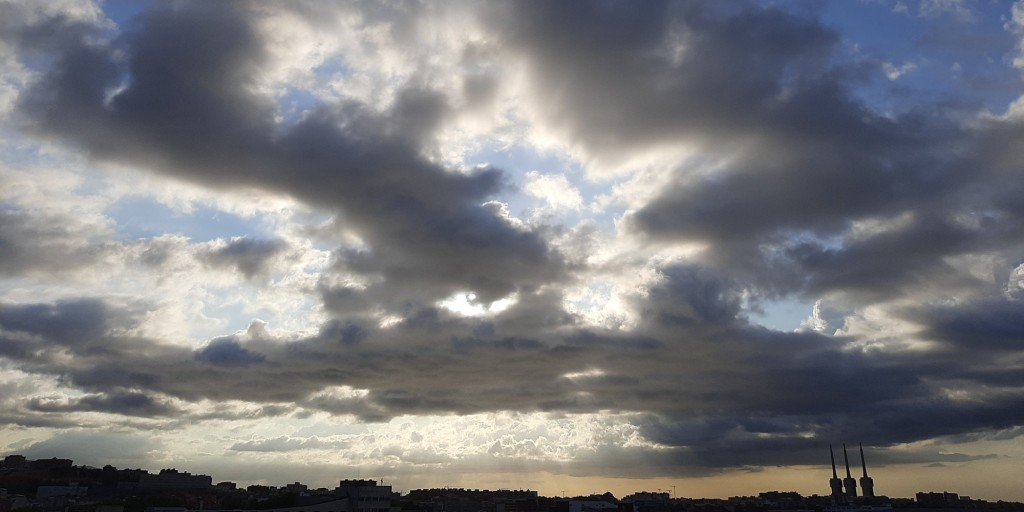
52,470
556,245
844,491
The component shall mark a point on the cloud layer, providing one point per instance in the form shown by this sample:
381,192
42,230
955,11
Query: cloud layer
676,168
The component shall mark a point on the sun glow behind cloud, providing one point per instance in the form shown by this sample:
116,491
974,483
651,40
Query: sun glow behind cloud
466,304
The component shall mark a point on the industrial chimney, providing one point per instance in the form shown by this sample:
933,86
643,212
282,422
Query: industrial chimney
849,482
835,483
867,485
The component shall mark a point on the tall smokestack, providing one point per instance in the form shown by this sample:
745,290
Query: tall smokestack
867,485
849,482
835,483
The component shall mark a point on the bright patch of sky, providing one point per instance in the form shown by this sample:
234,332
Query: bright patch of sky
124,12
522,162
293,105
143,217
467,304
917,53
781,315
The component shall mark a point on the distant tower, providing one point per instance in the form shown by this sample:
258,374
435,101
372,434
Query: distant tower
867,485
849,482
835,483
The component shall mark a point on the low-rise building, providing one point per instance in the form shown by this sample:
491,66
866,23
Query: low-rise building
365,495
592,506
67,491
172,479
9,502
14,462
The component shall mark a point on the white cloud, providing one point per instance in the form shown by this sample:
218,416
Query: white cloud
893,72
554,189
1016,27
466,304
959,9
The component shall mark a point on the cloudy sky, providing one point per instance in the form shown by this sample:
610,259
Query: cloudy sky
563,246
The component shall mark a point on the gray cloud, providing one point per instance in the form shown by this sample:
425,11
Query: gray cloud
989,324
766,97
188,109
72,322
95,448
619,85
287,444
818,193
37,244
347,332
124,403
692,350
227,352
250,257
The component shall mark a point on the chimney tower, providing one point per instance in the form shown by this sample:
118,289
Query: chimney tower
867,485
835,483
849,482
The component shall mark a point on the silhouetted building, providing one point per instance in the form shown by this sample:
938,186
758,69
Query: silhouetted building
782,500
258,490
15,462
226,486
172,479
938,499
50,464
867,485
9,502
592,506
365,495
51,491
525,505
297,488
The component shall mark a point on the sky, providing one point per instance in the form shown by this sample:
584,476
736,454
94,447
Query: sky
567,246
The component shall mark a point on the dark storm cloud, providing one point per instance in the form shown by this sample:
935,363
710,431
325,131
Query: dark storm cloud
71,322
188,108
821,182
993,324
690,295
652,463
912,255
611,76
